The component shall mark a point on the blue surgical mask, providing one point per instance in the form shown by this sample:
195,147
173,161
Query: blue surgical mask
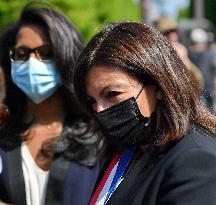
37,79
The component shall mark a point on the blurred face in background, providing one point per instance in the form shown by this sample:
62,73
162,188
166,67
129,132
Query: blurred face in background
172,35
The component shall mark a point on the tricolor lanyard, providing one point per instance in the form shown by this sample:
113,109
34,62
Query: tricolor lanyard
121,159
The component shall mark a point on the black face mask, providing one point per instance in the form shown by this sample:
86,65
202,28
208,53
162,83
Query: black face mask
123,123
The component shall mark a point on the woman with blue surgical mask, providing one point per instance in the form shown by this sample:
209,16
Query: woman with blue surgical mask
36,75
41,135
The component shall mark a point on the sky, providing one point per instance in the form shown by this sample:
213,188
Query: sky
169,7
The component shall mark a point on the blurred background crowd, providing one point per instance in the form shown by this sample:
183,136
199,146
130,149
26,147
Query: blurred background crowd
189,24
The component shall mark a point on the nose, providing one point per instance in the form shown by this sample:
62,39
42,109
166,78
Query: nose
100,106
33,54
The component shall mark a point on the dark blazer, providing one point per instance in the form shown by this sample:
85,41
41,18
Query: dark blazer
185,175
69,183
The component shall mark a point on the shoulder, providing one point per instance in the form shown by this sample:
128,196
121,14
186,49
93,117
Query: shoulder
2,151
6,159
198,143
190,168
88,174
80,179
197,139
194,153
4,176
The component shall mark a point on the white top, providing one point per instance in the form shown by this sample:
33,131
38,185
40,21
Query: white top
34,177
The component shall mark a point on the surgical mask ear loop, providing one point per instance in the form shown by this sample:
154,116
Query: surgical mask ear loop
139,92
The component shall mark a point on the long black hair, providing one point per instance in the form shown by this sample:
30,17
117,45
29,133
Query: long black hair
67,45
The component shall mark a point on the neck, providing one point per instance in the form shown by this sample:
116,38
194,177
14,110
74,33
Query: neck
50,110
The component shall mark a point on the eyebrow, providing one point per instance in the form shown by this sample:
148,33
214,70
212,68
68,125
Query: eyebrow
114,85
24,46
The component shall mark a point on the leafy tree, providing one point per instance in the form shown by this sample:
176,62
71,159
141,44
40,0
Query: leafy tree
209,11
88,15
210,8
9,11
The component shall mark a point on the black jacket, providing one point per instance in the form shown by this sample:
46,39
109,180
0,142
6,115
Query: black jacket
69,183
185,175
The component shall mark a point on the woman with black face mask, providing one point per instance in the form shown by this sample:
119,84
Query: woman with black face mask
146,104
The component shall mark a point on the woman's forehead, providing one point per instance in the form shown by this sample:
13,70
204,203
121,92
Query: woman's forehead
31,35
100,78
109,74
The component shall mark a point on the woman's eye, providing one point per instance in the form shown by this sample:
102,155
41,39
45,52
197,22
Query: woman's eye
113,94
20,54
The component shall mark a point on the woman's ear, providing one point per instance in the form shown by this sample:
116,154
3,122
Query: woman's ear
158,94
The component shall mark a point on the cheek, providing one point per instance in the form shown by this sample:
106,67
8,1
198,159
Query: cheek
147,102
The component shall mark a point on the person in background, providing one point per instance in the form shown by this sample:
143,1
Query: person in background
194,70
44,130
145,102
213,49
202,56
169,28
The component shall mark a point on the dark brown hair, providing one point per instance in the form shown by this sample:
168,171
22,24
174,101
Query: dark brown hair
143,51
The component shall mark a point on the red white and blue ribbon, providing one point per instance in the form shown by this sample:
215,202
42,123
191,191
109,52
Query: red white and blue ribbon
113,176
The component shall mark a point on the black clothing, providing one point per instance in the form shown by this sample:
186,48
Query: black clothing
185,175
69,183
205,62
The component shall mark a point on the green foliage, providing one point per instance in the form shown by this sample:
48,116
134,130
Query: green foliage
210,8
9,11
183,13
191,8
88,15
209,11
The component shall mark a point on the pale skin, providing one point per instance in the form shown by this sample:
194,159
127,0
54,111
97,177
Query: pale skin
107,86
48,116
